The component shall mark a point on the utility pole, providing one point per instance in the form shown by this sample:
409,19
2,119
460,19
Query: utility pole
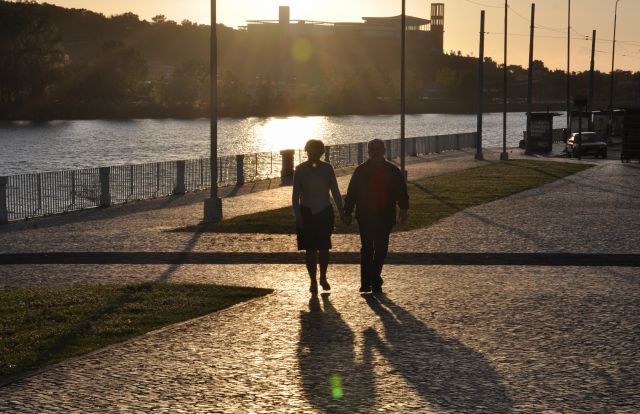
213,205
591,104
530,77
402,89
569,70
504,155
479,155
613,59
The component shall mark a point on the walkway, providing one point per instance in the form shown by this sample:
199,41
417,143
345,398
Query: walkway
446,338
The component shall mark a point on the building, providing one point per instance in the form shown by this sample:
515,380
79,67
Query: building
427,33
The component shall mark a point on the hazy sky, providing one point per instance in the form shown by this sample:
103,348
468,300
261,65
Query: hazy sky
462,23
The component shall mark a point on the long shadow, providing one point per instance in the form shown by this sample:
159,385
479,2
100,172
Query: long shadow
443,371
465,210
605,187
332,379
540,242
67,339
181,258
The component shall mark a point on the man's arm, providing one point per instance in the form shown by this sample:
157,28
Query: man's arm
403,194
403,198
350,199
335,191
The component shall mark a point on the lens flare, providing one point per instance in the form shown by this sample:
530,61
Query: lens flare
302,50
336,386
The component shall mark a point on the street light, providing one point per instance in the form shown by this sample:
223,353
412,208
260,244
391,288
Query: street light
504,155
213,205
403,22
613,59
569,69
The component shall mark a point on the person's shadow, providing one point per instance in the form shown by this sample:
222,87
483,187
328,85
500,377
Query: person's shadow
332,379
443,371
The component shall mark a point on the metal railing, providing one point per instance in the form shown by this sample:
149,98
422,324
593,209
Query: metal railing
33,195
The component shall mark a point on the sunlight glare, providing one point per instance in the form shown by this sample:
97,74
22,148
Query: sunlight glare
276,134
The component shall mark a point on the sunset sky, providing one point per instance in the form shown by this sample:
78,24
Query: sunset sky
462,19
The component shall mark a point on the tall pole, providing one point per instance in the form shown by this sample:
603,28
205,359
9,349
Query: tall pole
569,70
504,155
613,60
530,77
479,155
402,88
213,205
592,71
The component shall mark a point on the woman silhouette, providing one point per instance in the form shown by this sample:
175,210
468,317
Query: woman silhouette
312,182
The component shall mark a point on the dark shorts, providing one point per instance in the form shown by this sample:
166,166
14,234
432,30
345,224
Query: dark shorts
317,228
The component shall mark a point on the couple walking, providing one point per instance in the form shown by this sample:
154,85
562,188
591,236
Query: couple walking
375,188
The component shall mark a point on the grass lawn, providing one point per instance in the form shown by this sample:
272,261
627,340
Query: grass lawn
41,326
431,198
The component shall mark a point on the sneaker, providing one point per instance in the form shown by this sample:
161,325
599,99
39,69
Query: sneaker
325,285
377,290
365,289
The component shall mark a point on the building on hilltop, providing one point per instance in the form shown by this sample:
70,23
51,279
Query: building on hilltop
426,32
288,59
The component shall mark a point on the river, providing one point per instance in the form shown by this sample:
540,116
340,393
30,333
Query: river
28,147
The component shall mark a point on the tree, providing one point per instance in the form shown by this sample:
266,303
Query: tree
159,19
113,76
188,85
32,56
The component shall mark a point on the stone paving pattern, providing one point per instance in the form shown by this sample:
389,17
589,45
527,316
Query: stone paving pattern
444,339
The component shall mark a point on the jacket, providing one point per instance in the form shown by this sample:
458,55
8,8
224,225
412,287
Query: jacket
359,186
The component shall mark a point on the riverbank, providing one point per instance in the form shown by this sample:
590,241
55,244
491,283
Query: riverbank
121,112
30,147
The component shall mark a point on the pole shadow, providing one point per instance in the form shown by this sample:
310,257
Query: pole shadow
443,371
332,379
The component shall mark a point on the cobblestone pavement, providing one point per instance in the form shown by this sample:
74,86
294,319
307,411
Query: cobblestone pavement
444,339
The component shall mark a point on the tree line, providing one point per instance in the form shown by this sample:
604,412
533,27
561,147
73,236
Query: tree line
71,63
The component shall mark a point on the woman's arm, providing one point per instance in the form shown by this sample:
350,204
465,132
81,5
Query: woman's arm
335,191
295,198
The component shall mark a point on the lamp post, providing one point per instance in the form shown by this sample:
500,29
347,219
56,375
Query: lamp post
504,155
479,155
403,21
569,70
530,78
213,205
613,59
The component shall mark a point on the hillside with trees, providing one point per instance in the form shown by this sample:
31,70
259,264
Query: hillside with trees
59,63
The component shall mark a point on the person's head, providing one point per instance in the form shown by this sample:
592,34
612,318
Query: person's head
314,149
377,150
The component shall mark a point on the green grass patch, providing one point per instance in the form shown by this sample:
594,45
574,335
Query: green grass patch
41,326
431,198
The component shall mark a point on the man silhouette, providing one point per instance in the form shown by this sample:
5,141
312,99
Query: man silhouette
375,188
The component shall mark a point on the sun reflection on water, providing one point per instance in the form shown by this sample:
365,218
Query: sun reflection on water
276,134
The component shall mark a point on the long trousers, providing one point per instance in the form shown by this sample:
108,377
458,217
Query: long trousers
374,237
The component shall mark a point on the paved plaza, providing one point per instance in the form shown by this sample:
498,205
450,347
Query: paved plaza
445,338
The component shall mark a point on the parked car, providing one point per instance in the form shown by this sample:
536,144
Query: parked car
587,143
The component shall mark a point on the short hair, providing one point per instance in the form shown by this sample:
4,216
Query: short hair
314,145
